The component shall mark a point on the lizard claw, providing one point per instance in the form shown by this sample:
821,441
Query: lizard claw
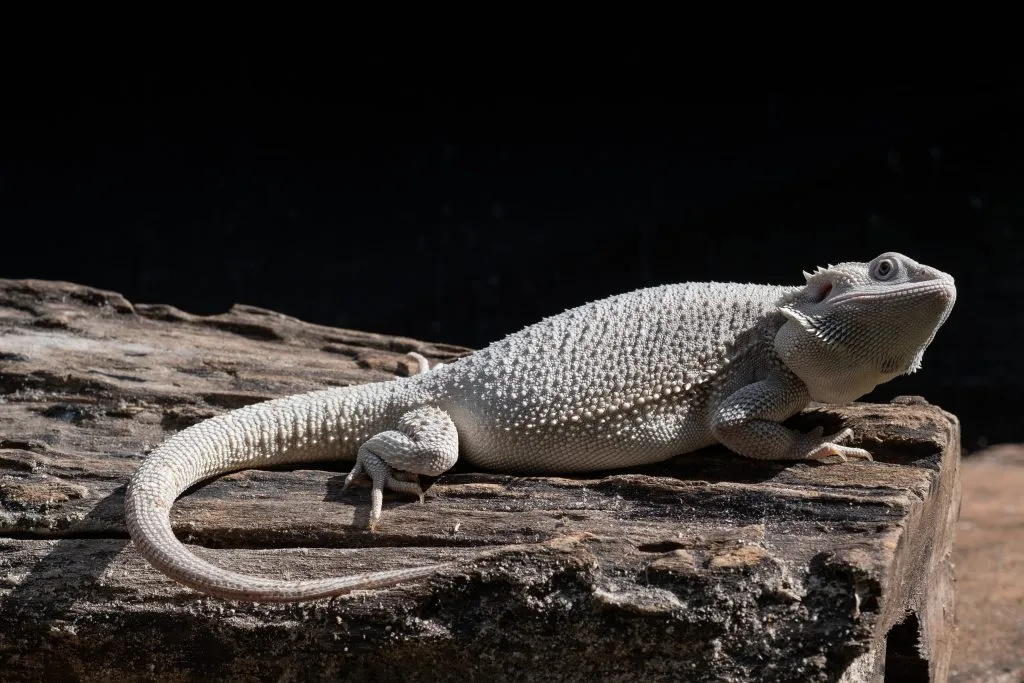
406,486
831,452
357,472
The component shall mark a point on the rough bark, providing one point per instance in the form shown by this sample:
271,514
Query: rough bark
706,567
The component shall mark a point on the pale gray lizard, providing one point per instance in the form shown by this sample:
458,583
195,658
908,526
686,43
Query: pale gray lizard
632,379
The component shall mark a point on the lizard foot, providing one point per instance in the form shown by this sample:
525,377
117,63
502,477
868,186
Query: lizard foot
359,475
832,452
424,441
424,364
382,476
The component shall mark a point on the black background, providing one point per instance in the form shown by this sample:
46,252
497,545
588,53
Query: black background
458,206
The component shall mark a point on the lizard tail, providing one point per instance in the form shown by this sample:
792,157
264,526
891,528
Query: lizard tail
323,425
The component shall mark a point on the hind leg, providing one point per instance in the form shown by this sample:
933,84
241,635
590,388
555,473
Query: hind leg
425,442
358,472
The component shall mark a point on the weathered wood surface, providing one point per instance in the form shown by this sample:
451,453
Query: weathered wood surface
708,567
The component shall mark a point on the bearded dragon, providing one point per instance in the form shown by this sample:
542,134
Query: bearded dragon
632,379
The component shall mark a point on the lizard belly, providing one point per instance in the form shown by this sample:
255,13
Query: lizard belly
516,443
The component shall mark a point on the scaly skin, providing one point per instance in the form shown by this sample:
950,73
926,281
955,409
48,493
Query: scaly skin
632,379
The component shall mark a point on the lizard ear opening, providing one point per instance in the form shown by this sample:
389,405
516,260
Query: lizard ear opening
819,290
819,286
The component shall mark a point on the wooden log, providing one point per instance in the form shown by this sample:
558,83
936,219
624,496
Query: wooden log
706,567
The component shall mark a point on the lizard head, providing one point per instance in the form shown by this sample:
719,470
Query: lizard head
854,326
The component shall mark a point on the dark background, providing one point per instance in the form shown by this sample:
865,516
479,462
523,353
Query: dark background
459,207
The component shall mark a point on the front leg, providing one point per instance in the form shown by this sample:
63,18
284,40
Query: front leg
426,442
747,422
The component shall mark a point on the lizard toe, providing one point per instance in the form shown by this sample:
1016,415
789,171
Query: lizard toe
383,477
833,453
358,472
405,486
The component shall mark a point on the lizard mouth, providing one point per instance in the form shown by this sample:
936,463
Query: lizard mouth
911,290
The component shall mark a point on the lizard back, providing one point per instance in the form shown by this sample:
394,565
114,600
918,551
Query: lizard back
622,377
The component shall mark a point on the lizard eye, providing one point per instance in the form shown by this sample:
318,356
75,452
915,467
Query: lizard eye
884,269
